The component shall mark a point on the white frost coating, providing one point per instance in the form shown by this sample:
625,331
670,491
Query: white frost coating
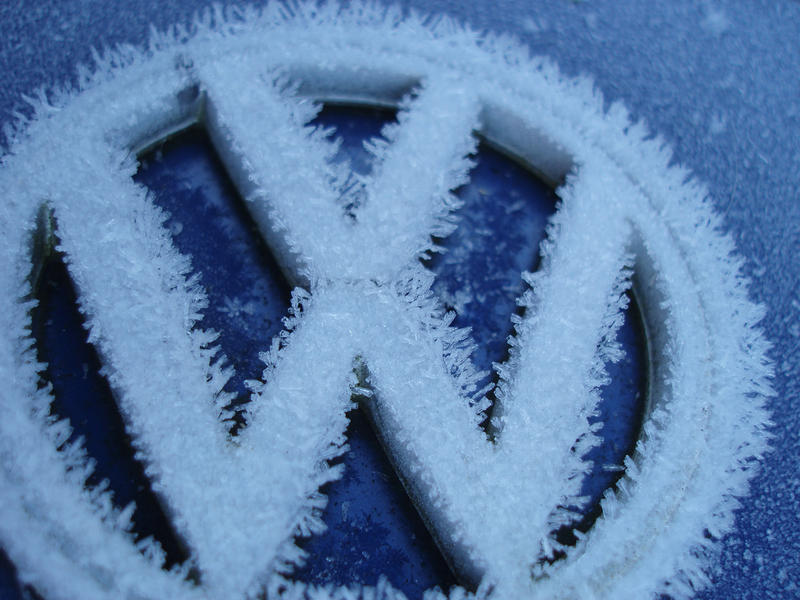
490,505
266,141
556,387
423,157
409,197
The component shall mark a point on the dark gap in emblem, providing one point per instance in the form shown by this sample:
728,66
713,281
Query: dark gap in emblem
208,219
373,528
500,228
354,125
82,395
10,586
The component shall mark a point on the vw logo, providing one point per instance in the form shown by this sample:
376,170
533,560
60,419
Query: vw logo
365,320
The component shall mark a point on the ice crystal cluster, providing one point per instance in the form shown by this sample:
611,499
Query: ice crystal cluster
363,304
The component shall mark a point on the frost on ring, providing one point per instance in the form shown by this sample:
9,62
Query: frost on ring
251,78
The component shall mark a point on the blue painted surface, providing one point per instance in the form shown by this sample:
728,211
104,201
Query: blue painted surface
718,80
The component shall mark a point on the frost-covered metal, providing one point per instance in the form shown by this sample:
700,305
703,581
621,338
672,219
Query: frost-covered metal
252,78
